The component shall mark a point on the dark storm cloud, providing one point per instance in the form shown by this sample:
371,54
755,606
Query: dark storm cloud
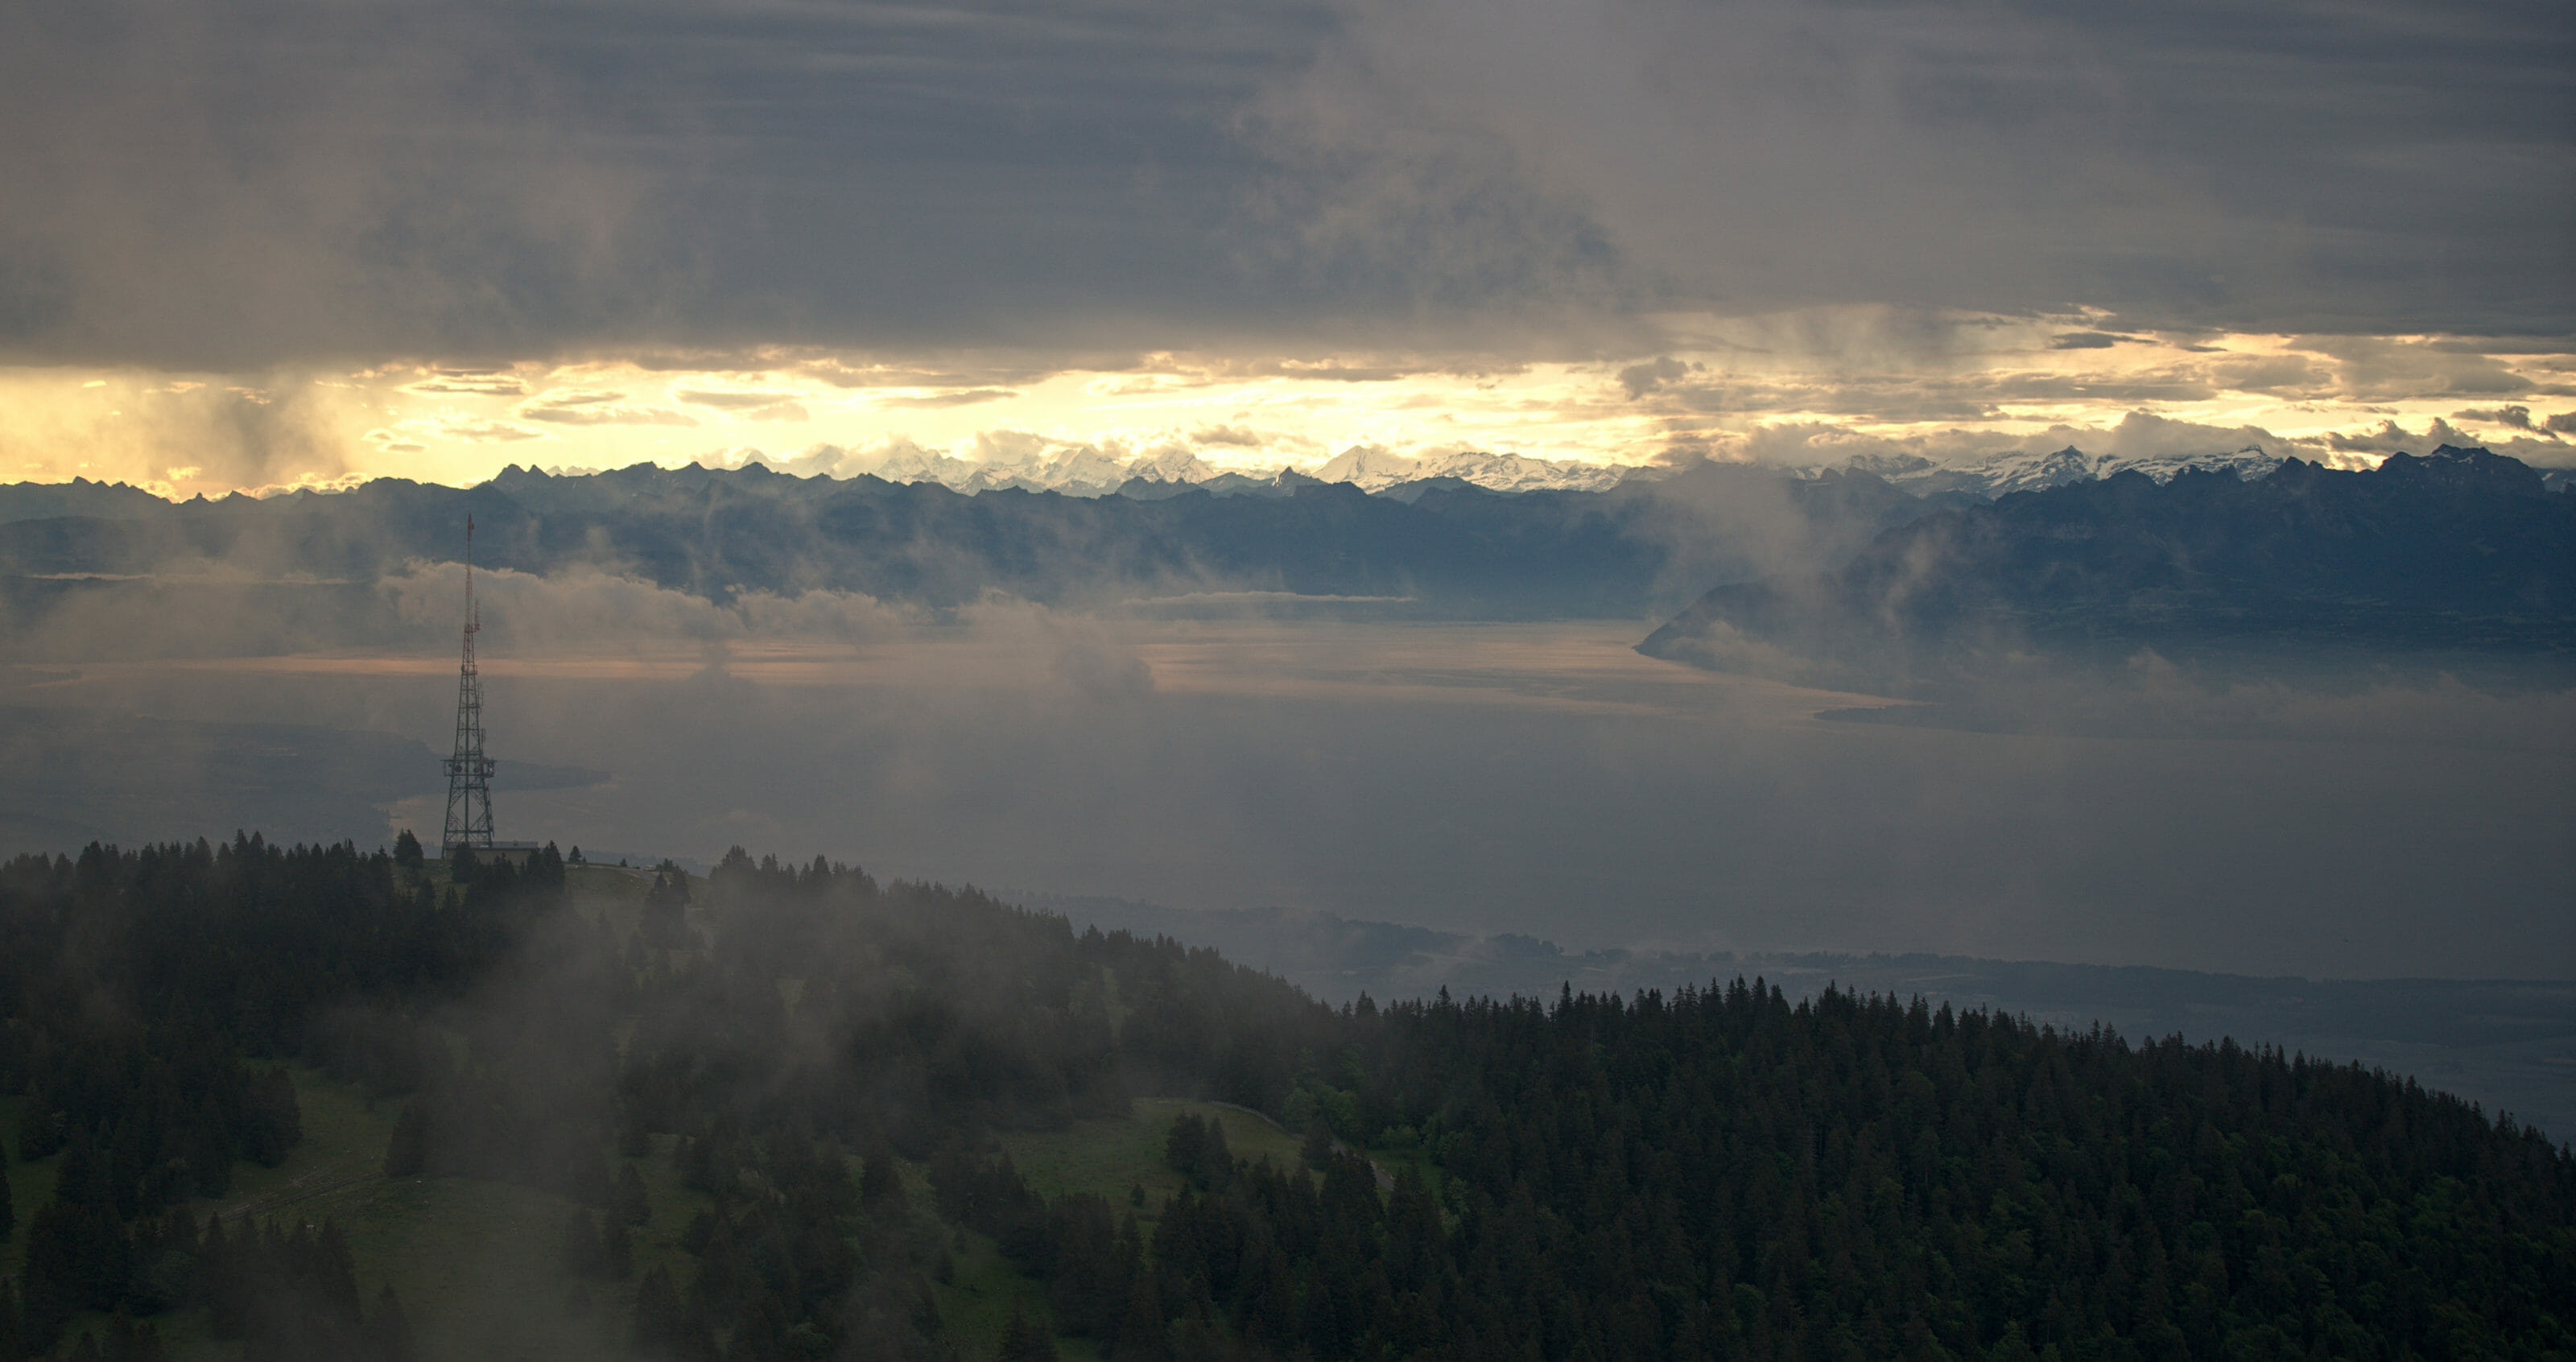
228,184
2377,166
1641,379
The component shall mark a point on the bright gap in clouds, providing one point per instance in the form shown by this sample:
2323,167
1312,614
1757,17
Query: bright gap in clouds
1811,387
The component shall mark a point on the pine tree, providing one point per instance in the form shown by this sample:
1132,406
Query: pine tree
13,1328
1316,1150
227,1287
77,1258
1023,1341
878,1182
334,1273
617,1250
578,1250
630,1205
271,1124
388,1335
41,1130
762,1335
407,1150
1140,1325
657,1314
130,1341
634,1137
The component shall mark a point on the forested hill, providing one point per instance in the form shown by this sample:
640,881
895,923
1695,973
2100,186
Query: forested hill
831,1069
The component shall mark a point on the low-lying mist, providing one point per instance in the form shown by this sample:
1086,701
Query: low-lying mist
1477,777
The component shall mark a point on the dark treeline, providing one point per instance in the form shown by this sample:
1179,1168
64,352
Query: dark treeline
1717,1173
1722,1171
1724,1175
145,998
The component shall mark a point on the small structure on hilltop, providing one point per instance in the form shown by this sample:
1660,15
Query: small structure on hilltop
469,771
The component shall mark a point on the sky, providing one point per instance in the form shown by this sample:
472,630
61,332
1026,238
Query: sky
289,243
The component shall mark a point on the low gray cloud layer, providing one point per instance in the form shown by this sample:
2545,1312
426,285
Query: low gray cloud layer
1539,779
222,184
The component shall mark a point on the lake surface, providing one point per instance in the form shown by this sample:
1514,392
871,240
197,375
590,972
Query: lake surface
1537,778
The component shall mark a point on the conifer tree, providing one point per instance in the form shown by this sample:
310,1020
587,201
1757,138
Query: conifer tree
388,1332
617,1249
1025,1341
657,1314
630,1205
271,1123
41,1131
132,1341
879,1184
578,1250
13,1328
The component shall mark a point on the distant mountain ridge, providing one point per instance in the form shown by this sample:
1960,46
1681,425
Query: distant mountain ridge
2459,549
1090,472
1441,546
1445,547
79,497
2002,475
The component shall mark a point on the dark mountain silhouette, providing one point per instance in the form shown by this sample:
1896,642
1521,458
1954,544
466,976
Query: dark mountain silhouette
2459,550
1455,549
78,497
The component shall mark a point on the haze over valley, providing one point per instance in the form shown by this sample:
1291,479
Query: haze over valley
1319,680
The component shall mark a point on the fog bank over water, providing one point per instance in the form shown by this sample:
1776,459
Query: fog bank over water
1533,778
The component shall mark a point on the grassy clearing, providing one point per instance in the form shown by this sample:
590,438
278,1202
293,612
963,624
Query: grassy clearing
474,1262
1107,1158
1393,1159
1110,1157
979,1297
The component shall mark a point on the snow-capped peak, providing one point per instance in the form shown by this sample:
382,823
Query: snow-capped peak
1999,475
1368,468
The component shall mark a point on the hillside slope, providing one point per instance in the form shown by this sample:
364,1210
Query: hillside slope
759,1108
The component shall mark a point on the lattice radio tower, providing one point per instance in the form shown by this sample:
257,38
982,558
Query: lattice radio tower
469,772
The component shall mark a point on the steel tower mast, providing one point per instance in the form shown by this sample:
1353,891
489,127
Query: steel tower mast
469,772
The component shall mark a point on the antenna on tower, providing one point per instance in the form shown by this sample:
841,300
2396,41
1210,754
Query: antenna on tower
469,772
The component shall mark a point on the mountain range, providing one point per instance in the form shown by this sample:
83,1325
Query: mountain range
1090,472
2460,551
1444,546
1886,560
2001,475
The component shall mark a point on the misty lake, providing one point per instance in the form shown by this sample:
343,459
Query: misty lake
1539,778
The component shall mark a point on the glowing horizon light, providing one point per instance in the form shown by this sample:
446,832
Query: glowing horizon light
1728,389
